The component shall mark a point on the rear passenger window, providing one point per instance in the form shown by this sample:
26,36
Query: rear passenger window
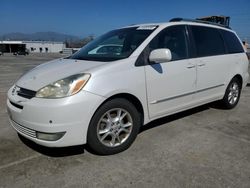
232,42
208,41
173,38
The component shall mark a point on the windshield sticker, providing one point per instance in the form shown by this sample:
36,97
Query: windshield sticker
146,27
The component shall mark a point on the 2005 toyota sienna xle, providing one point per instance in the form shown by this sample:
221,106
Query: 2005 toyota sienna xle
124,79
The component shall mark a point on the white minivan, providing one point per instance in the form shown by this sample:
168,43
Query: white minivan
143,72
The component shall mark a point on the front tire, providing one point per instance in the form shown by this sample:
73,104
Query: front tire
232,94
113,127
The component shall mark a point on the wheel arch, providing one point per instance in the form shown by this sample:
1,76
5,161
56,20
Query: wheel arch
131,98
239,77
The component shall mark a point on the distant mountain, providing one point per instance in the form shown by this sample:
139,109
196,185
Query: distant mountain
40,36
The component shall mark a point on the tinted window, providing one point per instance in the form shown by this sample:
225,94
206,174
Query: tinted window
232,42
173,38
208,41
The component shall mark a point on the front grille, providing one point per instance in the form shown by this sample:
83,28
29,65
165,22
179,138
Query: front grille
24,130
26,93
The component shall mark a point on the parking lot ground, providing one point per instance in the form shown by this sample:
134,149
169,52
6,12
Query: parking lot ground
202,147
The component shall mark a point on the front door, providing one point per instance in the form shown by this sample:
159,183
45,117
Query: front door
170,85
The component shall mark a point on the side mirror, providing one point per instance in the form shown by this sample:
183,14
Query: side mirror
160,55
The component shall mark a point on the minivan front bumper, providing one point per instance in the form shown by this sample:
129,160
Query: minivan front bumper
53,122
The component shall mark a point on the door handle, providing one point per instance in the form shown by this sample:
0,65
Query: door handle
190,66
201,64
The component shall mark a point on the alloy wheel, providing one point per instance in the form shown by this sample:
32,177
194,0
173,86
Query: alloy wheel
114,127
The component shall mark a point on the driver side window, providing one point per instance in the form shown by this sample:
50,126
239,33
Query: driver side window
174,38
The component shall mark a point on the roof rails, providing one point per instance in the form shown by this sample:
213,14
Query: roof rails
199,20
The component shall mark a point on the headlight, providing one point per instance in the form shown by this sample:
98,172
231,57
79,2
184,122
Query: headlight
64,87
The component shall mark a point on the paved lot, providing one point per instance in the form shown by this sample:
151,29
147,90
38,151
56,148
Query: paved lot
203,147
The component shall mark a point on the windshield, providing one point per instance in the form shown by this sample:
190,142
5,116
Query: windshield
114,45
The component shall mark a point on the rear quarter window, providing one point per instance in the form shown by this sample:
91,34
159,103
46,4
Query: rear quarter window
232,42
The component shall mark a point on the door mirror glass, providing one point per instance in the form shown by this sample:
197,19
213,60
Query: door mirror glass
160,55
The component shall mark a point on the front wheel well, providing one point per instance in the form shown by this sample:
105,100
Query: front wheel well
131,98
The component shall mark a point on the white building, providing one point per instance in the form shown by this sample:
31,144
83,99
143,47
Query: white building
44,46
32,46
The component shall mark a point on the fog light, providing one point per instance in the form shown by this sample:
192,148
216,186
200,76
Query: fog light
49,136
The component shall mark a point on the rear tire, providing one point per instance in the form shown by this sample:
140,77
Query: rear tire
113,127
232,94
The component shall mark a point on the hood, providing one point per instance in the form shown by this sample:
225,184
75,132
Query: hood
52,71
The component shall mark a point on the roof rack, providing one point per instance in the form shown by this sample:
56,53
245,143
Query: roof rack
199,20
224,20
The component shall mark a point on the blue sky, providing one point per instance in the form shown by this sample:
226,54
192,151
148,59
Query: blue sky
84,17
